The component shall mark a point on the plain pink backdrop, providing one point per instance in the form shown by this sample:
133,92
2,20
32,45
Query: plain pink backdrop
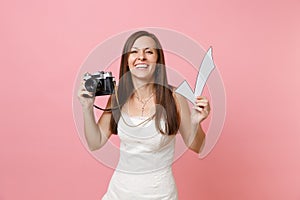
256,48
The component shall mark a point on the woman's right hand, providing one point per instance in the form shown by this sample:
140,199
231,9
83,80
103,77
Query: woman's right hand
85,97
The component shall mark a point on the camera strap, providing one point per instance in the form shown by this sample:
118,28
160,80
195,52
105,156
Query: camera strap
119,107
105,109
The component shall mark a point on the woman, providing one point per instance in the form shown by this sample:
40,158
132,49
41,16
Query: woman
149,115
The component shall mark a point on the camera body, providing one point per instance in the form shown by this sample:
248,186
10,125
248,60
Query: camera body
100,83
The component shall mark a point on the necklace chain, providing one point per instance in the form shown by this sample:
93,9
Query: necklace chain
144,102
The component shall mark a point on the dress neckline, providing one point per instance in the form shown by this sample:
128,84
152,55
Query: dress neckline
138,117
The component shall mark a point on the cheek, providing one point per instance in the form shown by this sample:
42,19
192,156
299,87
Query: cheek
130,61
131,58
155,58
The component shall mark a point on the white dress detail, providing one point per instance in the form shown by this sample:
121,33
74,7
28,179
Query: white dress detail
144,170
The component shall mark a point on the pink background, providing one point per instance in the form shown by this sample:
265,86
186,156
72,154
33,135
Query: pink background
256,48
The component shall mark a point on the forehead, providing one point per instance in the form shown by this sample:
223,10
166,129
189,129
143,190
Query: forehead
144,42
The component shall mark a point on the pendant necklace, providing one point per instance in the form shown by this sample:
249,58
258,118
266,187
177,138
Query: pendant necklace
144,102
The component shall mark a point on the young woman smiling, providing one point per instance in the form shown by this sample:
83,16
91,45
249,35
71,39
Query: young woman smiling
148,117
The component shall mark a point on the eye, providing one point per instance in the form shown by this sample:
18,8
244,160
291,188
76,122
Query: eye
149,52
133,51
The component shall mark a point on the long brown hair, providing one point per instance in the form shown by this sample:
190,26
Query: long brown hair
166,108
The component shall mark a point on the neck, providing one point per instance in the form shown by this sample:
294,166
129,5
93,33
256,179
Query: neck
143,90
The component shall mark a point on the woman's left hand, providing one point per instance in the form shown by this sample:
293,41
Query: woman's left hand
201,109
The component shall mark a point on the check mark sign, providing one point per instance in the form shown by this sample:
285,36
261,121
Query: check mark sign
207,66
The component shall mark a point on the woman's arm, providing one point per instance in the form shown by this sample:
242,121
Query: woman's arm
190,125
96,134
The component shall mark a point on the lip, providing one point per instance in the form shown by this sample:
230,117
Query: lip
141,65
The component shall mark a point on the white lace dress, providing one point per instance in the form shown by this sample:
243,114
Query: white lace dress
144,169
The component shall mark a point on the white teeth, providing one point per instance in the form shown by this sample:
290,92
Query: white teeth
141,66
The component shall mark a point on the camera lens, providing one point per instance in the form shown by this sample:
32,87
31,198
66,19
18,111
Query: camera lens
91,85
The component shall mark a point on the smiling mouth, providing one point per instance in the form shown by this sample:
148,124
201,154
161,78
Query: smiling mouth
141,66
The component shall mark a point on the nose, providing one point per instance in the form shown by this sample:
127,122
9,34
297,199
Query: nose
141,55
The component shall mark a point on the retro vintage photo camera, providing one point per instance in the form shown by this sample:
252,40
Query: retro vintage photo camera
100,83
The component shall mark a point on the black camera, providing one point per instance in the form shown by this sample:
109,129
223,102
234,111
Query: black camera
100,83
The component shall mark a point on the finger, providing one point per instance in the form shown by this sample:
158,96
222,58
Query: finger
84,93
202,105
197,108
202,108
82,83
81,88
87,96
201,98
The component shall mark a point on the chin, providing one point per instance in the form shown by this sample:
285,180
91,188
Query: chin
142,73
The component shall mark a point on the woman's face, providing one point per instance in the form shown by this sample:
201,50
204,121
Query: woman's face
142,58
